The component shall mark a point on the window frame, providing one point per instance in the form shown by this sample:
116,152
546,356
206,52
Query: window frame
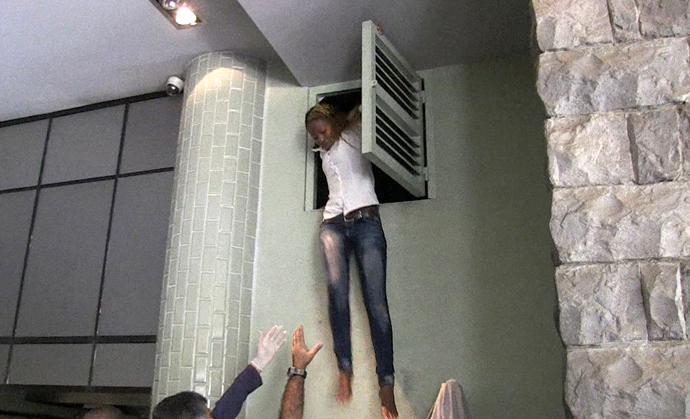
315,94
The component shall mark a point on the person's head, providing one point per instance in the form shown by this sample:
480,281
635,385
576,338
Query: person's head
184,405
104,412
324,124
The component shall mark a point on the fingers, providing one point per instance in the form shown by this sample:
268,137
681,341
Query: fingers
278,335
299,336
298,340
315,350
270,333
275,330
280,338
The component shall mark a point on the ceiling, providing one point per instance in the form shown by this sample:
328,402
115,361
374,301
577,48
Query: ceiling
320,40
62,54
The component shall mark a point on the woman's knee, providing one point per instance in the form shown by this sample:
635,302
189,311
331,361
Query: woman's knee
339,296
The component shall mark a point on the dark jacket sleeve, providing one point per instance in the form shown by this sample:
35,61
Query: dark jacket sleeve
230,404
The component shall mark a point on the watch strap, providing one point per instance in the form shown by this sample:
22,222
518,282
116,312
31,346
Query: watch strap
296,371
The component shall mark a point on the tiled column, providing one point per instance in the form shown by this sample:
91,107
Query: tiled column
206,304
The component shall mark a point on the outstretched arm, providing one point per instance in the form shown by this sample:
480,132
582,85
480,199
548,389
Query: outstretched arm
230,403
292,406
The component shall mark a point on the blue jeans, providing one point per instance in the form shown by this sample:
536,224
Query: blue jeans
338,239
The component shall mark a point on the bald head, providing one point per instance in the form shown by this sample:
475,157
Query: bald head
104,412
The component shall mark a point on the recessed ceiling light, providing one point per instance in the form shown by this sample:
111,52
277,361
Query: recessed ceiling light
185,16
177,12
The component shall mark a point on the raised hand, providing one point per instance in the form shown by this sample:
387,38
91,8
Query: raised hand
301,355
269,345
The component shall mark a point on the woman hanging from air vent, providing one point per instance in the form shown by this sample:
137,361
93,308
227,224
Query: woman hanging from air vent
352,225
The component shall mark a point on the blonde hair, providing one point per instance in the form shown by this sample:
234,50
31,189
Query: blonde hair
337,119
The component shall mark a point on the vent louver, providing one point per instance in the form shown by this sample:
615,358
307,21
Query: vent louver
392,112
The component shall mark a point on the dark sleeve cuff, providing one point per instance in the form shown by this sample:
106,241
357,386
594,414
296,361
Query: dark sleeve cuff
230,404
253,377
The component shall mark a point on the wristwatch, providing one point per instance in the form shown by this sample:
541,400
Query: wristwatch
296,371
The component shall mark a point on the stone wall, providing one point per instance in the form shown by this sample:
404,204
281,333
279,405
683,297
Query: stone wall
614,78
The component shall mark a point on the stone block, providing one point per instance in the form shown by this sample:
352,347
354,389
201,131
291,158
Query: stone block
605,224
662,299
569,23
614,77
664,18
624,17
684,133
589,150
685,295
649,381
655,144
600,304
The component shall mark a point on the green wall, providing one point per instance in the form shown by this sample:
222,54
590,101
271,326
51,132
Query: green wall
470,286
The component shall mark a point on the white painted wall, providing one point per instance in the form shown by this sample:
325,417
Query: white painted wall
470,285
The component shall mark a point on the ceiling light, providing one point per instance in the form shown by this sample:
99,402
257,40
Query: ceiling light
170,4
185,16
179,13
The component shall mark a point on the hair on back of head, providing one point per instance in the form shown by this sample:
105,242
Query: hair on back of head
183,405
323,111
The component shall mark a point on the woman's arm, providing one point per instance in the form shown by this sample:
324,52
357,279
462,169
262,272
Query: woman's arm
355,115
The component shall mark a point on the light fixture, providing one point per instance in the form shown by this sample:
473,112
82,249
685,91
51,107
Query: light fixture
177,12
170,4
185,16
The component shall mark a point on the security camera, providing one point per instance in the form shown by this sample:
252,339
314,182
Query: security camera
169,4
174,86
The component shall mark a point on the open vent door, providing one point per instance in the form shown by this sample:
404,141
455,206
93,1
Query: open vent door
392,112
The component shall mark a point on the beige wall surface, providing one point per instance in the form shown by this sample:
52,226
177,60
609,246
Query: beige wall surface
470,278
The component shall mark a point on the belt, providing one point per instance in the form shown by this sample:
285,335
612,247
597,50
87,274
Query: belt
358,214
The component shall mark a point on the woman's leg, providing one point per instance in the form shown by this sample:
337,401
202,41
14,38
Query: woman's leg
335,250
370,249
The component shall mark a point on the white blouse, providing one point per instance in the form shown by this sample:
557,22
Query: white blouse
348,173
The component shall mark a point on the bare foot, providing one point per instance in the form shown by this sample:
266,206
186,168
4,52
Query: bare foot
388,409
344,388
